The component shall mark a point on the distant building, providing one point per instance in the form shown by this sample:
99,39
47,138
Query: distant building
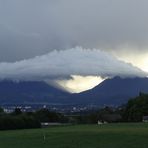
47,124
100,122
145,119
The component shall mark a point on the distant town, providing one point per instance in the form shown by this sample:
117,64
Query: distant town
64,109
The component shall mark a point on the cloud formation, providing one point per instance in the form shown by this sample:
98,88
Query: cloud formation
62,64
33,27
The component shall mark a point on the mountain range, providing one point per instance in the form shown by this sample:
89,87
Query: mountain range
115,91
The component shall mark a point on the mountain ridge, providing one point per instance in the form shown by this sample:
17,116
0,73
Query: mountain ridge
114,91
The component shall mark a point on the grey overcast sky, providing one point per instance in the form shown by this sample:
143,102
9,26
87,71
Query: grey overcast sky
32,32
35,27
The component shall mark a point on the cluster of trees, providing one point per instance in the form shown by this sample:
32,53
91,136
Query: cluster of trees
21,120
17,120
136,108
45,115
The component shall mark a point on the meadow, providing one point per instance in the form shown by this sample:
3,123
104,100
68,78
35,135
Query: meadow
120,135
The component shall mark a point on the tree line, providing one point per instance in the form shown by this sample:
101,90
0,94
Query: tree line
133,111
25,120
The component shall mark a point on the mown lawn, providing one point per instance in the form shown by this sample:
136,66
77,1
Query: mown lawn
133,135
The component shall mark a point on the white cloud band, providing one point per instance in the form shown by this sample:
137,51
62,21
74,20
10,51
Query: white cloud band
62,64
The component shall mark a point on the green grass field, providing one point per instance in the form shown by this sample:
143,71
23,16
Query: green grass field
79,136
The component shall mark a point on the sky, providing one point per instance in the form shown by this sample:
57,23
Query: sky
73,41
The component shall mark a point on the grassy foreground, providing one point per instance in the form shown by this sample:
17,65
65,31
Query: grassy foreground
78,136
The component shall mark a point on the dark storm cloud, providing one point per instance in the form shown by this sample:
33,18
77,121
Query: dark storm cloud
34,27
